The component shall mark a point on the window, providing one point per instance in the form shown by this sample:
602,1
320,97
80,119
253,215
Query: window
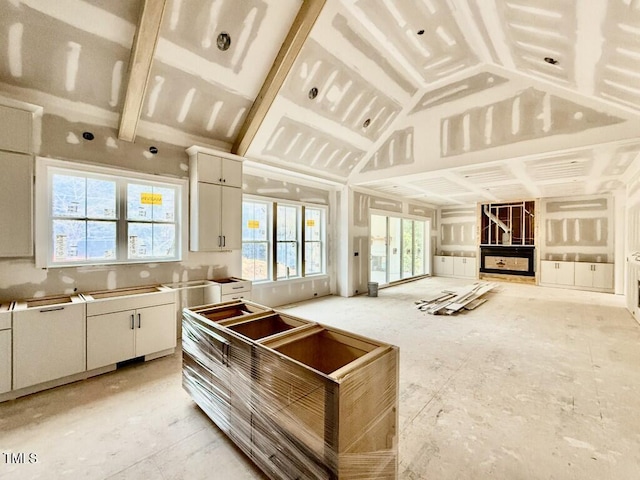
287,242
279,239
255,241
313,241
87,216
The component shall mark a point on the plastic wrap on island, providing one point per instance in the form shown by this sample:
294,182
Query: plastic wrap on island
302,400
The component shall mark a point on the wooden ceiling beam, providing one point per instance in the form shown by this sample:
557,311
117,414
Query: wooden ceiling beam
298,33
140,62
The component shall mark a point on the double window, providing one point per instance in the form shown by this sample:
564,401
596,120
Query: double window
93,217
282,240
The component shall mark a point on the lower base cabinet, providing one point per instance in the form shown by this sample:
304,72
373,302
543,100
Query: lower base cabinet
589,276
129,323
48,343
119,336
302,400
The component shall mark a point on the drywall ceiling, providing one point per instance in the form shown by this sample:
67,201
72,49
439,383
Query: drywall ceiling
445,102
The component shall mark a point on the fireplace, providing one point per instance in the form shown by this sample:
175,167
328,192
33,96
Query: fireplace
509,260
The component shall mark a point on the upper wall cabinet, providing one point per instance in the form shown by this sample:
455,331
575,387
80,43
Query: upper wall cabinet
16,181
215,200
16,130
16,198
217,170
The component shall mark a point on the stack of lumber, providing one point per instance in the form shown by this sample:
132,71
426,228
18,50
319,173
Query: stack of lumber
449,302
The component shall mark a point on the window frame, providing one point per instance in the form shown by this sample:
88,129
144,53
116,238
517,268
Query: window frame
44,218
267,240
273,204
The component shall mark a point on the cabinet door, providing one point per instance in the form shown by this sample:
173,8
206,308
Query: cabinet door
15,130
155,329
207,227
548,272
470,269
231,173
603,275
5,361
443,265
16,189
458,267
565,273
48,343
110,338
209,168
583,274
231,218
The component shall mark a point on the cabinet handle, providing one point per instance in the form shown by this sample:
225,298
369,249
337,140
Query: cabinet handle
237,288
219,240
224,240
54,309
220,180
139,320
132,321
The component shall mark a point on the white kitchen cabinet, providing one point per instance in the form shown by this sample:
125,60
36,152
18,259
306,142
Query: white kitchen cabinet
232,288
557,273
49,341
16,190
215,198
5,348
594,275
122,327
443,265
216,169
464,267
218,222
16,130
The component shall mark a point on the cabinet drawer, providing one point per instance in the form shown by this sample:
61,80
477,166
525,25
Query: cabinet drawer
236,296
235,287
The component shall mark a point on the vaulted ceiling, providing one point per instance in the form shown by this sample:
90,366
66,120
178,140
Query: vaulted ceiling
442,101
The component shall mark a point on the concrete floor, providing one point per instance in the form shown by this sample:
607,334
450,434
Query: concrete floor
537,383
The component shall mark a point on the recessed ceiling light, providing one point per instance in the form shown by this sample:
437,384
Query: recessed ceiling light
87,136
550,60
420,32
366,123
223,41
313,93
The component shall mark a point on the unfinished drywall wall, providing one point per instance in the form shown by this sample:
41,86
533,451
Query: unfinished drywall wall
63,139
579,229
457,231
284,190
